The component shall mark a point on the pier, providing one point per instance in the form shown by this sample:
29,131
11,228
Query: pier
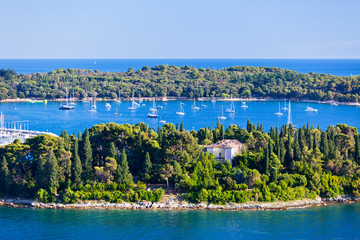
17,130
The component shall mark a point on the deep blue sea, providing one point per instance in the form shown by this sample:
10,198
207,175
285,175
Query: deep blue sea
338,67
48,117
330,222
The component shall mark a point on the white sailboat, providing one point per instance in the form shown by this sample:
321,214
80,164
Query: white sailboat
116,112
93,105
279,113
194,107
231,109
181,112
289,119
66,106
86,98
165,99
153,111
119,99
213,100
108,106
134,105
72,100
285,108
222,117
243,105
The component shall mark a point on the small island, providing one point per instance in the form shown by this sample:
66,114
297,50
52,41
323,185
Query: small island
188,82
137,167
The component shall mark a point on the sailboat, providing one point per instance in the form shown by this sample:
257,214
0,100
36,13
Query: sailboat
66,106
108,106
232,107
116,113
72,100
134,105
86,100
165,99
285,108
243,105
279,113
119,99
181,112
93,106
222,117
289,119
153,111
213,100
194,107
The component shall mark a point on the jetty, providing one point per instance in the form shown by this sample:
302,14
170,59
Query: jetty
17,131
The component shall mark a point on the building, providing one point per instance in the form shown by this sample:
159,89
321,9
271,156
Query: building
226,149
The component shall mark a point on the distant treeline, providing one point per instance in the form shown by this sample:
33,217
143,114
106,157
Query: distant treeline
240,81
103,162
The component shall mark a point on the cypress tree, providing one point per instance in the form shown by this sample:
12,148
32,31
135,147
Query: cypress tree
266,160
76,165
40,174
139,142
182,127
222,132
112,152
52,171
273,175
66,138
123,175
87,155
324,145
248,126
5,177
177,126
288,155
147,164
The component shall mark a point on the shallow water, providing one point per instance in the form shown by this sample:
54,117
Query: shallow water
330,222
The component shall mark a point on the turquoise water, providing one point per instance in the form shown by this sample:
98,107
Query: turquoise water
330,222
338,67
48,117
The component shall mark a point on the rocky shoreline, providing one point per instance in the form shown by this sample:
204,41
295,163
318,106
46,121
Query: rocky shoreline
182,205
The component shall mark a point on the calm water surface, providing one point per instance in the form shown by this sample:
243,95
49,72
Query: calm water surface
331,222
48,117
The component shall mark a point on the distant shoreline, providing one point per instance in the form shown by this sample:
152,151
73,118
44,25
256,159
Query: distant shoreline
252,206
203,99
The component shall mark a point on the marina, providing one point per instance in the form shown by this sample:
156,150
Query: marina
48,117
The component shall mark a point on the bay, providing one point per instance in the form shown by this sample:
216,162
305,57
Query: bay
329,222
337,67
48,117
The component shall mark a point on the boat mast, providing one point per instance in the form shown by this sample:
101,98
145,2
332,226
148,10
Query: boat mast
289,120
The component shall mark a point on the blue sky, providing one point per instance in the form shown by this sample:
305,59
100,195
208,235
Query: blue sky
180,29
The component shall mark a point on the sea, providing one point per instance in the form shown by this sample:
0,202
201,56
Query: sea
337,67
328,222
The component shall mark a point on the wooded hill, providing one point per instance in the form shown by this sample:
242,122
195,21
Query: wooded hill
240,81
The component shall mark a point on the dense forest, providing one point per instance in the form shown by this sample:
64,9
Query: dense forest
190,82
117,163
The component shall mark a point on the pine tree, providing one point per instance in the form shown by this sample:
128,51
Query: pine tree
5,177
52,171
357,149
123,175
76,165
139,142
87,156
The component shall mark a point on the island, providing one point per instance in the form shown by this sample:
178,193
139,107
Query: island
188,82
134,166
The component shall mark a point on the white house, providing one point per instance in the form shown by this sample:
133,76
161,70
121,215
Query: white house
225,149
